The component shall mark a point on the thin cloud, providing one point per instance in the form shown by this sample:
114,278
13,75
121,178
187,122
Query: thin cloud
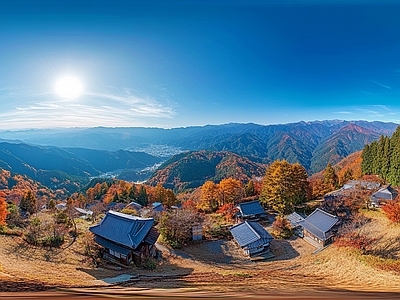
384,107
382,85
343,112
91,109
371,113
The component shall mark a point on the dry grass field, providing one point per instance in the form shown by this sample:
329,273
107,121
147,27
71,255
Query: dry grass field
208,266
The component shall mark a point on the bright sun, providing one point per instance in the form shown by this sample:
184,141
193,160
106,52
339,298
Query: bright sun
68,87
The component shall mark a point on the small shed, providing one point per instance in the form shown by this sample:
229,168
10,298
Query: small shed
383,196
126,238
251,210
251,237
295,219
319,227
157,207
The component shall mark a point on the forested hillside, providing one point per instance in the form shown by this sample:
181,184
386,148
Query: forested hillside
70,168
191,170
382,158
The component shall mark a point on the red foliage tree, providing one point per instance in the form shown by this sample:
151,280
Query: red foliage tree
3,209
392,211
228,211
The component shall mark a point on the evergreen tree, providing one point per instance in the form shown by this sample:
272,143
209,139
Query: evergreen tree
385,159
133,193
366,164
142,197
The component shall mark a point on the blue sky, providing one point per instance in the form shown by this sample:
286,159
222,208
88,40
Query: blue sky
183,63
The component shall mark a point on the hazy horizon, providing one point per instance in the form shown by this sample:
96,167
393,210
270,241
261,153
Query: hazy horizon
171,64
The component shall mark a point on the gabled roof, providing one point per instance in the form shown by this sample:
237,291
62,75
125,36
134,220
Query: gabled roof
251,208
294,219
369,185
134,205
249,232
157,206
387,193
84,211
319,222
123,229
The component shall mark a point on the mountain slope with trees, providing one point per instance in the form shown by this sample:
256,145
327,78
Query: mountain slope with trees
382,158
68,168
192,169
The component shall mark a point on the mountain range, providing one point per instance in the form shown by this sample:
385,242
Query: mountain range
69,168
313,144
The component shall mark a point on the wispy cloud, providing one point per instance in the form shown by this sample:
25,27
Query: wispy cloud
384,107
370,113
382,85
91,109
343,112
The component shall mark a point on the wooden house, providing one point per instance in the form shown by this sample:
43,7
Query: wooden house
126,238
383,196
319,228
251,237
251,210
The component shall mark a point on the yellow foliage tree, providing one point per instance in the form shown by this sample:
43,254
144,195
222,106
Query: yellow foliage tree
284,186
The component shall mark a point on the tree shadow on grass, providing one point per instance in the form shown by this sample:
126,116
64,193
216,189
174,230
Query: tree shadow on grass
27,251
221,253
164,276
283,250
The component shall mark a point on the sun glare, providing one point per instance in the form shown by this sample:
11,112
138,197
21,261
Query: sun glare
68,87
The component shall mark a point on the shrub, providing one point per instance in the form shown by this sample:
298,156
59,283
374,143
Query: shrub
149,264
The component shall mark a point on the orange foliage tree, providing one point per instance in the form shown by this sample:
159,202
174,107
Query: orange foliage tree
3,209
392,211
208,197
228,210
230,190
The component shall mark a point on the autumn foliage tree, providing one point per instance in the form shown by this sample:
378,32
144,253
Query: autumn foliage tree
213,195
284,186
176,226
28,202
3,209
208,197
228,210
392,211
331,180
230,191
281,227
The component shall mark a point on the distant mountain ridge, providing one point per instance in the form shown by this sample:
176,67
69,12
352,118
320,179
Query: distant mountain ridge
66,168
313,144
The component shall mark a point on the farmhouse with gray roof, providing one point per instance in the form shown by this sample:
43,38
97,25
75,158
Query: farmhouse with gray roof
318,227
251,237
126,238
382,196
251,210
